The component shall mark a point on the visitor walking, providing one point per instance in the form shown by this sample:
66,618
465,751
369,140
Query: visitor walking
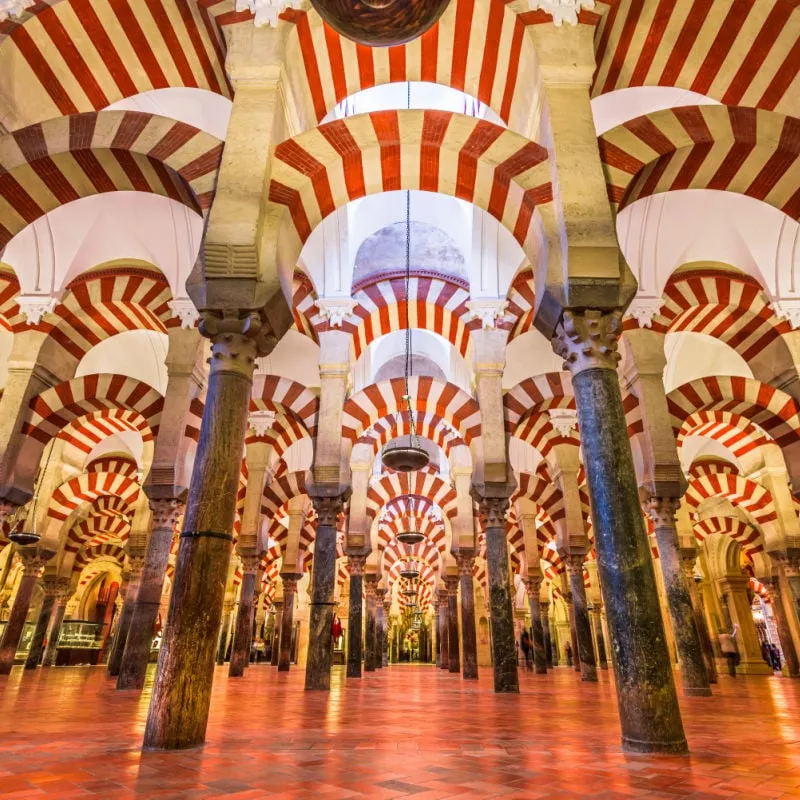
727,644
527,650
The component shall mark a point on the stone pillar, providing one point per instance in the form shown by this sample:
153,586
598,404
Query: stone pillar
444,630
276,633
135,567
42,623
451,582
224,634
533,585
504,654
33,560
387,605
380,626
597,620
684,626
782,623
370,585
583,630
136,653
548,644
648,702
734,590
56,620
469,638
435,633
287,620
320,624
243,632
178,713
688,559
355,621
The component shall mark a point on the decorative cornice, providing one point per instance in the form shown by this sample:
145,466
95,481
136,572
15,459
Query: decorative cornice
261,421
266,12
562,10
34,306
788,309
185,310
489,312
336,309
643,309
564,420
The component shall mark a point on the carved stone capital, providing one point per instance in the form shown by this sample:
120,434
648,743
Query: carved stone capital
34,560
289,580
328,507
574,563
356,564
166,512
135,565
237,340
662,511
370,586
466,562
562,10
451,585
533,584
588,340
494,510
250,562
62,591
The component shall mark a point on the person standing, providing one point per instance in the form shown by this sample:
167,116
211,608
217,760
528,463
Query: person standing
527,650
727,644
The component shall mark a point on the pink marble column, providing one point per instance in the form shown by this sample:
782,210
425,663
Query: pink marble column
287,620
56,620
243,632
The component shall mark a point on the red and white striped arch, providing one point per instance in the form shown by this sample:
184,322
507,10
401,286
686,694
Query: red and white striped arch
10,317
52,163
73,56
86,432
106,551
97,530
436,305
742,150
732,431
730,307
419,484
432,531
479,48
119,464
538,432
742,492
289,397
750,538
436,151
426,424
282,489
380,400
551,390
521,303
740,53
769,408
54,409
110,506
88,487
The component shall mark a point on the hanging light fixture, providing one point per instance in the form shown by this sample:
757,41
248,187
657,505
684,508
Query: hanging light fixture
411,455
17,534
410,536
409,570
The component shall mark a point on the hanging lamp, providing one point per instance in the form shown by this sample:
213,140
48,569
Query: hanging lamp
410,536
409,570
17,534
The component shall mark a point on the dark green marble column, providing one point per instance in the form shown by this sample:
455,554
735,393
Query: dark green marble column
370,633
289,580
451,582
782,623
243,632
276,633
648,702
355,621
584,655
319,658
684,627
444,630
597,619
469,639
548,644
504,653
533,586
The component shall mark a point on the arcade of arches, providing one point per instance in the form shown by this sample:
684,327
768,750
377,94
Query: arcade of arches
553,244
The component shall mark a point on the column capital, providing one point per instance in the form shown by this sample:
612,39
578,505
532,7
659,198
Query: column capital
135,566
356,564
493,502
237,340
588,339
574,563
465,558
250,562
662,510
34,560
370,586
328,504
533,584
289,581
166,512
451,585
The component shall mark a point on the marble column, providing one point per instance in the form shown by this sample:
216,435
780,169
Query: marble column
469,637
694,677
276,633
573,630
548,644
451,582
436,632
370,586
533,586
42,623
597,620
504,653
320,643
444,629
178,713
355,623
782,624
287,619
129,592
583,625
243,632
33,560
380,626
224,634
648,702
136,654
688,560
56,620
734,589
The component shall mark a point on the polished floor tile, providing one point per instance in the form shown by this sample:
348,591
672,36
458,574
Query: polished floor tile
406,731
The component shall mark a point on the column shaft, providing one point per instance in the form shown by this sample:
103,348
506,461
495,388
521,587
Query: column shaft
602,660
504,654
287,622
243,632
276,634
125,619
684,626
548,644
648,703
19,611
355,621
42,623
379,593
537,630
178,713
444,631
370,632
782,623
136,654
583,630
54,629
452,624
385,655
469,638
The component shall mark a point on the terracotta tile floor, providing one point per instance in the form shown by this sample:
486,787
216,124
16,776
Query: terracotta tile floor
405,731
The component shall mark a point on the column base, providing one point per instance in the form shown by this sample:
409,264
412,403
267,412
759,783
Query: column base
678,748
696,691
